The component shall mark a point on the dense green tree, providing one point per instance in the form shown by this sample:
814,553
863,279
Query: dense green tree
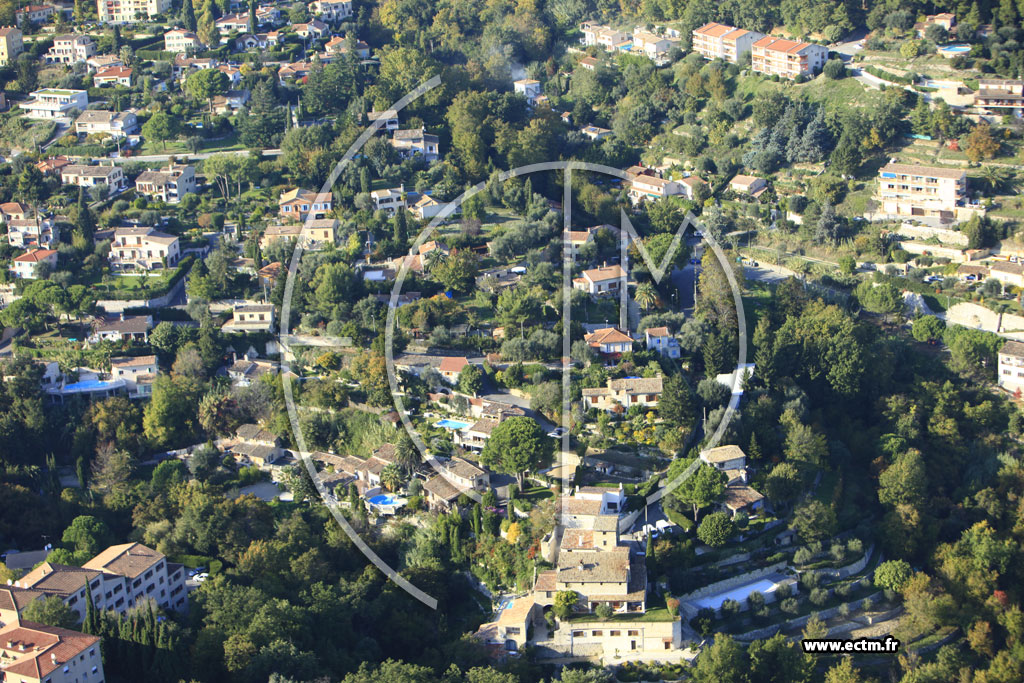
701,489
517,445
715,529
50,610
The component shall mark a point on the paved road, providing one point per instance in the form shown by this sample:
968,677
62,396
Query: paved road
192,157
850,45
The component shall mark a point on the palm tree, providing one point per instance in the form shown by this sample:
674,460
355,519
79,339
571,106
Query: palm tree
391,477
999,180
645,295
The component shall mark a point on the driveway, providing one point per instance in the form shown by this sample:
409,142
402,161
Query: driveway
850,45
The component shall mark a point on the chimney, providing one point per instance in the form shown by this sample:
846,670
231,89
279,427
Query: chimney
53,657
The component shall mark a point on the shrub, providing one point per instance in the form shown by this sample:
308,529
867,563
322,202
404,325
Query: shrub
844,610
855,546
844,589
867,604
802,556
673,606
819,596
783,591
755,600
834,69
704,622
789,606
605,611
810,579
730,607
838,552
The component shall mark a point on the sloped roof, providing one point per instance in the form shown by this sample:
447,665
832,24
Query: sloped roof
127,559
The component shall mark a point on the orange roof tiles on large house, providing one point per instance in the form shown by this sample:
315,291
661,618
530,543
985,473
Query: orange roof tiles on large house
787,58
720,41
32,652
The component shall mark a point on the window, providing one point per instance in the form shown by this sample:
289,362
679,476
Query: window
577,634
615,633
634,633
597,634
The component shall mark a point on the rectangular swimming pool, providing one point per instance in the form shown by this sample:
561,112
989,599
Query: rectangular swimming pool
739,594
451,424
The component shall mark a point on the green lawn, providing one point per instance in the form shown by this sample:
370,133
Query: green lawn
226,144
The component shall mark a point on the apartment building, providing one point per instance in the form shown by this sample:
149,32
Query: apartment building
719,41
332,10
180,40
90,176
621,394
787,58
118,578
35,653
1011,366
117,124
10,45
147,574
129,11
169,184
137,372
652,45
143,248
70,49
912,190
998,97
54,103
299,204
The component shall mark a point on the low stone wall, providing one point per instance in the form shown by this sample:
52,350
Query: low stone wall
952,253
800,622
850,569
120,305
923,232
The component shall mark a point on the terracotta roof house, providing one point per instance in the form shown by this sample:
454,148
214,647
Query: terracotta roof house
609,341
600,281
35,653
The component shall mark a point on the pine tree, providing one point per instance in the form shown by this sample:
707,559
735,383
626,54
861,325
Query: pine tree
753,448
399,227
188,15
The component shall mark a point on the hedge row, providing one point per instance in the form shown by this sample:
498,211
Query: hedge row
891,77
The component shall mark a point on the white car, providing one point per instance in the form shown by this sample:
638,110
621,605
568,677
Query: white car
557,432
201,577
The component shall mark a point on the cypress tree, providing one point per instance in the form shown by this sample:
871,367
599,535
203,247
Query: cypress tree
188,15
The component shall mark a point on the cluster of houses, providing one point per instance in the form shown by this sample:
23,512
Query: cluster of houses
655,46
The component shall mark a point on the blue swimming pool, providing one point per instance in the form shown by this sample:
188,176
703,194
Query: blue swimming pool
384,499
451,424
954,50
